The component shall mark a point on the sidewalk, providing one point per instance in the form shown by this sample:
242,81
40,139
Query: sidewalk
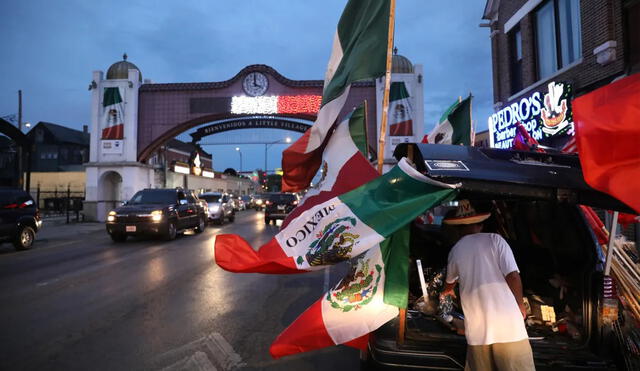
52,230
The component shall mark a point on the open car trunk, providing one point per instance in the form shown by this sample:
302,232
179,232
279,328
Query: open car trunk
534,201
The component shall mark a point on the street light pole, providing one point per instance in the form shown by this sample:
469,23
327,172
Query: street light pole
240,152
267,145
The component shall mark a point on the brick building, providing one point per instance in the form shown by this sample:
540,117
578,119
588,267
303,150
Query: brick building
547,52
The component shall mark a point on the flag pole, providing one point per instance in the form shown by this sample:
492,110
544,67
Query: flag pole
472,134
387,83
366,129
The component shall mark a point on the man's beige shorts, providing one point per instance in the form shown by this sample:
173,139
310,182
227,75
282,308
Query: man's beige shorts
500,356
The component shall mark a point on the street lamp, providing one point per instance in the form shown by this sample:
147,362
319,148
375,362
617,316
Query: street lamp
240,152
267,145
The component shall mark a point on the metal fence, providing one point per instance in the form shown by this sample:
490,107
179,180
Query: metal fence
59,202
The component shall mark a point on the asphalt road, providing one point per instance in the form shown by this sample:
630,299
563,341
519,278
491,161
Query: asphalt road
77,301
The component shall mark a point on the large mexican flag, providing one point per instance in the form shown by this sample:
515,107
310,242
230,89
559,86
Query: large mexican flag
366,298
359,52
400,110
339,228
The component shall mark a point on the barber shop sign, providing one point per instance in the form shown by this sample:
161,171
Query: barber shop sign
543,113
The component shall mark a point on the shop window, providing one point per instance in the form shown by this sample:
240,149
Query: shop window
515,39
558,35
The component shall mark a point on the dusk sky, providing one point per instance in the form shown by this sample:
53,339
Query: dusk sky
50,48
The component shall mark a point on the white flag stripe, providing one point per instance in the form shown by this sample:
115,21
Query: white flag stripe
326,117
334,60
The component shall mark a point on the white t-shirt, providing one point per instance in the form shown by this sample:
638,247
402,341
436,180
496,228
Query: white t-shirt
479,262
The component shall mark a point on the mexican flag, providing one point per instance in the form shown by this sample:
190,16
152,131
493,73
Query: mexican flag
112,114
366,298
359,52
339,228
344,164
455,125
400,111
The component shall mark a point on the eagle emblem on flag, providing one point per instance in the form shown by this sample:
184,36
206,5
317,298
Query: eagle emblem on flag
333,244
357,289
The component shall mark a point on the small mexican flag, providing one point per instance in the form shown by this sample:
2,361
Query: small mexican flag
400,111
366,298
112,114
359,53
339,228
455,125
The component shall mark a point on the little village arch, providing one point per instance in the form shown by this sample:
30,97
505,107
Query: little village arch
132,118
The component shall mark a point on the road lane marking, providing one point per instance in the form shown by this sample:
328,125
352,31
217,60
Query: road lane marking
223,352
198,361
214,347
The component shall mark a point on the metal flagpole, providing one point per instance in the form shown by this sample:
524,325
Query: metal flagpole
387,84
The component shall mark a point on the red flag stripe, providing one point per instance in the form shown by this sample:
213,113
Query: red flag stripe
403,128
234,254
306,333
113,132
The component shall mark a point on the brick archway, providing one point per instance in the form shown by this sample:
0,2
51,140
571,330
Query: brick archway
167,110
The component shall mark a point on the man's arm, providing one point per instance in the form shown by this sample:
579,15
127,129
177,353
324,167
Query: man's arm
515,284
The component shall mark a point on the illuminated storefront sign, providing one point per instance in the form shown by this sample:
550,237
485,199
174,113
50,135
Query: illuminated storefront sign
290,104
543,113
181,168
207,173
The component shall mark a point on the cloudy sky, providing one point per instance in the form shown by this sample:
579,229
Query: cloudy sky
50,48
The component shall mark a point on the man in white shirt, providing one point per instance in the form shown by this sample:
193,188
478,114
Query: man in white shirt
490,293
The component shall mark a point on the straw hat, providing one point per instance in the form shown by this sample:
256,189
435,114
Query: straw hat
466,214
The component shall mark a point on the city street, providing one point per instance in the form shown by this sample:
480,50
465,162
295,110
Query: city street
78,301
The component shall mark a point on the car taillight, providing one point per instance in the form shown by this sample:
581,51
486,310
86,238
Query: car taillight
268,202
294,203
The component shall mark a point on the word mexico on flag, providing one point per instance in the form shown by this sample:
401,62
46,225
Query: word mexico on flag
340,228
454,126
112,114
344,164
365,299
359,52
400,111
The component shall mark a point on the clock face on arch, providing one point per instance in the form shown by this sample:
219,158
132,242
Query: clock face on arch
255,84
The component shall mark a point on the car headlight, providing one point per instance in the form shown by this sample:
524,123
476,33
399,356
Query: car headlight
259,202
156,215
112,216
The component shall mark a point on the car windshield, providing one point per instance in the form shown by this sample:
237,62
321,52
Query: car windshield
246,198
282,198
154,196
211,197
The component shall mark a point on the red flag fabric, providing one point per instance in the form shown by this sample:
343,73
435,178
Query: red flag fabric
607,123
523,141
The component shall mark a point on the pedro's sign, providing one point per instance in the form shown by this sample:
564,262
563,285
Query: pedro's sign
543,113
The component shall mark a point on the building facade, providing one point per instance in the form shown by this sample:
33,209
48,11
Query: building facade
547,52
58,148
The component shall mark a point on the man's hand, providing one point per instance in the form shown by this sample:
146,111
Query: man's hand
448,290
523,310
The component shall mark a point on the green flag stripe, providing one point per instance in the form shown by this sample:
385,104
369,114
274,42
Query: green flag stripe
446,113
362,31
395,254
111,97
357,129
460,121
392,200
398,91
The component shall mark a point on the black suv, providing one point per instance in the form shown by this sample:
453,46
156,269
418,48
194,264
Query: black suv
19,218
161,212
534,202
278,206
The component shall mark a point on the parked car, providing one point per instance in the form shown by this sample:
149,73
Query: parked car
19,218
160,212
220,207
533,199
278,206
